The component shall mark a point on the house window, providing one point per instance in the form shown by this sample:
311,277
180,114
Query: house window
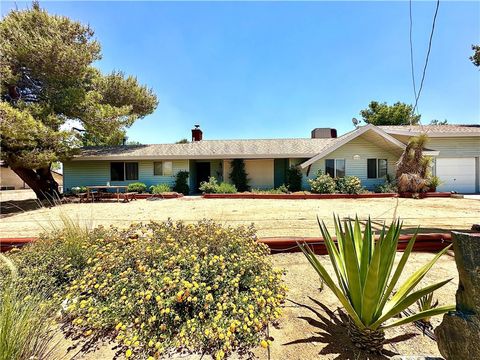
131,171
376,168
382,168
163,168
117,171
372,168
335,167
120,171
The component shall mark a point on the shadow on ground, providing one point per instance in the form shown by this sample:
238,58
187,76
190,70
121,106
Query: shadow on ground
12,207
333,333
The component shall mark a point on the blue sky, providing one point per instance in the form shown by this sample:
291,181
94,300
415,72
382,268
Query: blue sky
268,70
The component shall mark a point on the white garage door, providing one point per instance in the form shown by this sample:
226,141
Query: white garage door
457,174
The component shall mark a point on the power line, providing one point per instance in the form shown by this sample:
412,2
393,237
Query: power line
428,55
411,52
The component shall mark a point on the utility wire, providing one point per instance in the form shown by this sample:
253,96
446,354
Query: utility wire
411,55
427,57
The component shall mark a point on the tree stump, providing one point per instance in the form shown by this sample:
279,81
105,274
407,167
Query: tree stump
458,335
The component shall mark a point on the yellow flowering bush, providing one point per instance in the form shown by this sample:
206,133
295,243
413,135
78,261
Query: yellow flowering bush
161,287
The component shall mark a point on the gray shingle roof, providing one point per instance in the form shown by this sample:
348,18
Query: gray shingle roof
271,148
472,129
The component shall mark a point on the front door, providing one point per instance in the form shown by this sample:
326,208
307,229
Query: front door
203,173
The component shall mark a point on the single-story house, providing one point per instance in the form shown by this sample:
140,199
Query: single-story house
9,180
368,152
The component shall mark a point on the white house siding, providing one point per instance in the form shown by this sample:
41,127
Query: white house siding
85,173
363,148
452,147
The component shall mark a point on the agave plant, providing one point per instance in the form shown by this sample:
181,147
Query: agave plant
426,303
366,278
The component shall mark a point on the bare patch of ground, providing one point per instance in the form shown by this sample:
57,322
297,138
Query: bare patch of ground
271,217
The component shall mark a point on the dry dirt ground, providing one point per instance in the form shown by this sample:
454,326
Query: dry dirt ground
22,217
310,327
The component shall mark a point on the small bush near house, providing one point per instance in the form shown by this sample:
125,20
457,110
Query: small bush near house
389,186
367,277
349,185
225,188
79,189
160,188
294,179
322,184
433,182
210,186
138,187
181,185
239,176
282,189
163,286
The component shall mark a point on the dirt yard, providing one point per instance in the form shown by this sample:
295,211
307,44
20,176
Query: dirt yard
310,327
23,217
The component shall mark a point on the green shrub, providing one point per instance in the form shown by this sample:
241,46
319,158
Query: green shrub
389,186
181,185
213,187
238,175
367,277
433,182
210,186
322,184
348,185
294,179
137,187
160,188
78,189
158,286
225,188
282,189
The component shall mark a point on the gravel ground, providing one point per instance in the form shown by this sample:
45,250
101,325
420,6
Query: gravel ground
271,217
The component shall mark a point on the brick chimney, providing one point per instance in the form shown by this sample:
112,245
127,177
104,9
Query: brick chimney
196,133
324,133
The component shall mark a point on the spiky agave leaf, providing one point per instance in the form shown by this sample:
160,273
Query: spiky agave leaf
364,267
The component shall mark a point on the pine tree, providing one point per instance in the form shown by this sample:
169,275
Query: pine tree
47,80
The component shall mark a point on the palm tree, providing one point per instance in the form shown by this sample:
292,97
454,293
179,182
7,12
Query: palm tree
413,168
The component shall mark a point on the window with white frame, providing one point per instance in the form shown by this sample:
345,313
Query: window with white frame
377,168
335,167
163,168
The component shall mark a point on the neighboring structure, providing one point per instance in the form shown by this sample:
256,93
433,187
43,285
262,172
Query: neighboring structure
369,152
11,181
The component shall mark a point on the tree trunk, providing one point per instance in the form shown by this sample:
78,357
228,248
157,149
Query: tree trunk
41,181
370,340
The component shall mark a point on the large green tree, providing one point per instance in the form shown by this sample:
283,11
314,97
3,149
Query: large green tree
384,114
47,82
